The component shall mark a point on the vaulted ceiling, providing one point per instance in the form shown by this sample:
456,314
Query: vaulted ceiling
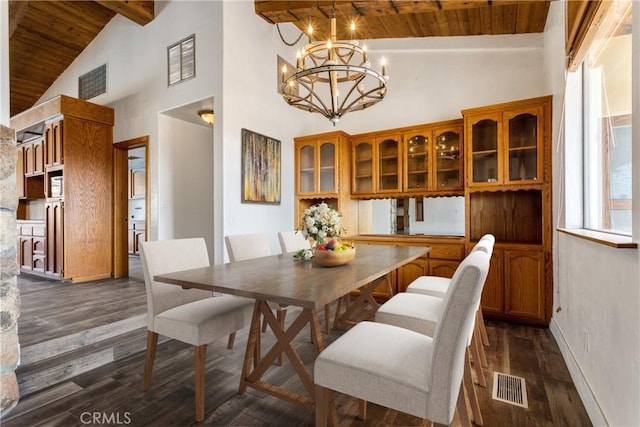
46,36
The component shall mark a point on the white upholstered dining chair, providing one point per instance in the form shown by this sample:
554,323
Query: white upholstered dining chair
241,247
292,241
421,313
192,316
403,369
437,287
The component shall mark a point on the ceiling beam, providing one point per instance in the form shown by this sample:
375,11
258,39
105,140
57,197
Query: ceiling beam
274,11
17,9
140,12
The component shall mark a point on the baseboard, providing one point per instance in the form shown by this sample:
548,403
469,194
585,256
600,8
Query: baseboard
589,401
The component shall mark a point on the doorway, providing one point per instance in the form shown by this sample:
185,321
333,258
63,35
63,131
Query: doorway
131,204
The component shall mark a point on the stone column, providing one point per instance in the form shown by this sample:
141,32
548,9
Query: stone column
9,294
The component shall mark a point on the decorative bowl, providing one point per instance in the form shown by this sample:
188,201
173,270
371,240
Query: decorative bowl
334,258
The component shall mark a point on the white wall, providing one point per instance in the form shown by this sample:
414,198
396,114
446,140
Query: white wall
251,102
596,287
432,79
185,184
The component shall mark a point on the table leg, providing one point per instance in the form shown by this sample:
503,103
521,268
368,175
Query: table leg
365,297
284,338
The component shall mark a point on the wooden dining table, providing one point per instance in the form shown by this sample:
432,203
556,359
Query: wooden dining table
284,280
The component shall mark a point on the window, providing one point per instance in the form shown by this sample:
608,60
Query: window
182,60
607,114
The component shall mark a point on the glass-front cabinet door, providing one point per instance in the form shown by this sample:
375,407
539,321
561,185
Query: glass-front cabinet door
524,133
362,179
483,157
306,168
417,148
389,164
327,170
448,159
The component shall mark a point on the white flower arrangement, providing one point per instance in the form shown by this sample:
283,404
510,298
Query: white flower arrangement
320,222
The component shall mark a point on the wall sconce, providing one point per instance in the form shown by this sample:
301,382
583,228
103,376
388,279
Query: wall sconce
206,116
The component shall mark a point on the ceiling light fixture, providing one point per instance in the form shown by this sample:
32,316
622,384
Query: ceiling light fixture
206,116
333,77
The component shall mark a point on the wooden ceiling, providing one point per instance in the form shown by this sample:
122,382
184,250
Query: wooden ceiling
402,18
46,36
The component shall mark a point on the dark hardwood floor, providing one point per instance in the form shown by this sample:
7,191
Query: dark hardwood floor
111,394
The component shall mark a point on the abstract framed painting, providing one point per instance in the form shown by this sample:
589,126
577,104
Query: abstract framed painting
260,168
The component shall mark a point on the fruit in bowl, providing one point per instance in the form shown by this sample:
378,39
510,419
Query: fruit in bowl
334,253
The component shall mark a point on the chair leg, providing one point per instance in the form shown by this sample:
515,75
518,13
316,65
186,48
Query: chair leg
461,409
322,405
477,363
477,336
152,343
471,390
232,338
200,355
363,409
483,328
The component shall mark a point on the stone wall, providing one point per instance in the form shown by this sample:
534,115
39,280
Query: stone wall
9,269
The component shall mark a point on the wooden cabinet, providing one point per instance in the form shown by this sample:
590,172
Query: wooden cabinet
377,164
508,194
433,159
505,142
137,183
54,226
515,286
75,144
54,143
410,272
31,246
322,174
425,160
34,157
137,234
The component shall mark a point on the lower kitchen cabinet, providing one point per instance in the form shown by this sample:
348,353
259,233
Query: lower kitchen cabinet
515,286
136,234
54,255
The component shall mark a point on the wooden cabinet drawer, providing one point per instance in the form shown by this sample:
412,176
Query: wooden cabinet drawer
26,230
444,251
38,245
38,263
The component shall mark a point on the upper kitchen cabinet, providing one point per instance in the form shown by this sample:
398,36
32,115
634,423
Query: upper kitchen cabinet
433,159
377,164
505,144
318,160
424,160
322,174
74,143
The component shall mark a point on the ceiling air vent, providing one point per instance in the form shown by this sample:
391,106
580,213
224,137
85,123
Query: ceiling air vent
93,83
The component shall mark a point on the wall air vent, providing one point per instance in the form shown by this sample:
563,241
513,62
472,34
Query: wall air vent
93,83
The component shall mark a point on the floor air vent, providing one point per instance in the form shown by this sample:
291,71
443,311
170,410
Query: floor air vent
510,389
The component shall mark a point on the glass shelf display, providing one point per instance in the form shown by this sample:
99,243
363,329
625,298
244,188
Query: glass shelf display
447,159
484,152
417,159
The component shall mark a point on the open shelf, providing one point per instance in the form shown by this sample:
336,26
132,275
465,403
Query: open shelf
511,216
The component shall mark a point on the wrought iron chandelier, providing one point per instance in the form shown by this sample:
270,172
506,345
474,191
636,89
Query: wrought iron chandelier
333,77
